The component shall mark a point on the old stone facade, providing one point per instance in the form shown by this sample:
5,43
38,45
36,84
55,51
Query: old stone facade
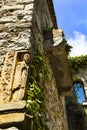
21,29
81,77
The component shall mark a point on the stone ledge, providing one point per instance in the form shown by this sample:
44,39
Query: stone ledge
11,118
55,51
11,128
84,103
12,106
53,38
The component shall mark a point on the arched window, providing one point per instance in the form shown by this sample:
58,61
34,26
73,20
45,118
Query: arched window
78,89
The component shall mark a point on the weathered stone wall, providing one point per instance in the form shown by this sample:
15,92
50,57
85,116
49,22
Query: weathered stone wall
15,23
81,76
55,105
21,29
41,19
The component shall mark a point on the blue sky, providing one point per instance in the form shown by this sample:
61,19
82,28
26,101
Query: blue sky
72,18
81,96
78,88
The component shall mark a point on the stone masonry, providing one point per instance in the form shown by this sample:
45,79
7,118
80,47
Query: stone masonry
22,23
81,77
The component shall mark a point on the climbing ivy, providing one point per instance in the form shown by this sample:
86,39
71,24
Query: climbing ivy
67,47
35,103
77,63
46,30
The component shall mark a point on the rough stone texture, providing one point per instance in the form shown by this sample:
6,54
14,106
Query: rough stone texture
14,76
53,39
55,106
12,105
11,118
21,30
15,23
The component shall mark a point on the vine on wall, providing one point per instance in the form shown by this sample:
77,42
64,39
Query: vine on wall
67,47
35,103
77,63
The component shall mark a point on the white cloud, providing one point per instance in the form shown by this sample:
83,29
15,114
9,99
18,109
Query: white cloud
79,44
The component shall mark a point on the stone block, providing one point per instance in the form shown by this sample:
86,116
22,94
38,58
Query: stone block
3,35
12,8
3,42
26,18
8,19
20,41
29,6
12,105
22,12
11,26
8,2
11,118
16,47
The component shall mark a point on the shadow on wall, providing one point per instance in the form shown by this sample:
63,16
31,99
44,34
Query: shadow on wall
56,53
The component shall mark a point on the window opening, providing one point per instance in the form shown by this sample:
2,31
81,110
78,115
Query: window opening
78,89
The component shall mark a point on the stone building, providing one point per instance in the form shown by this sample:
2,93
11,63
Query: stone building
22,23
77,107
80,76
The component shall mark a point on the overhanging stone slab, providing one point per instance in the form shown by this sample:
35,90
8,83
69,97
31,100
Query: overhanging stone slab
52,38
56,53
84,103
12,106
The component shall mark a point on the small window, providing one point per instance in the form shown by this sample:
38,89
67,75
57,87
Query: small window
79,91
